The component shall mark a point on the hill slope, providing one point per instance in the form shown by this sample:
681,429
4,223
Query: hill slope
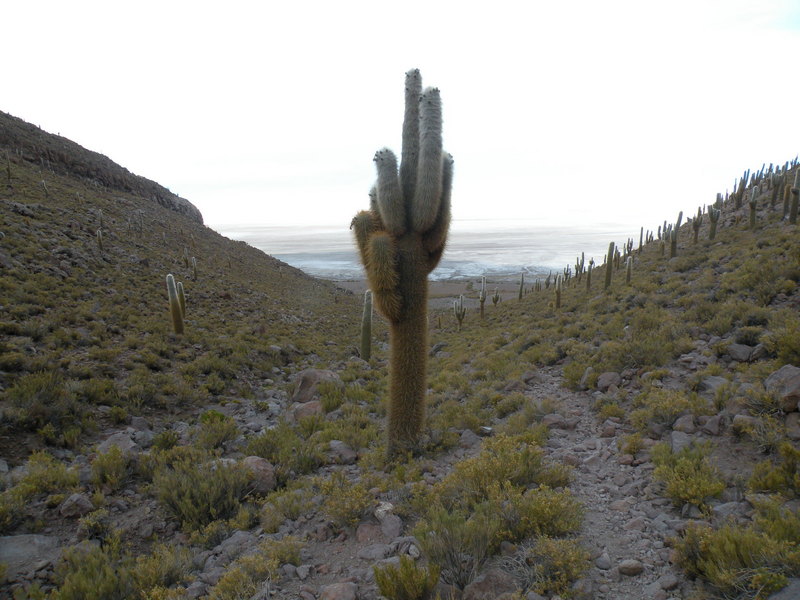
615,444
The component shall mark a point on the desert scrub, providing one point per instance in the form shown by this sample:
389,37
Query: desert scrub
783,339
515,459
687,475
345,502
214,429
109,470
287,504
407,581
738,562
197,494
547,566
43,398
660,407
45,475
780,475
285,447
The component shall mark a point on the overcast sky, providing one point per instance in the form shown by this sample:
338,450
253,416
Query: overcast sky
267,113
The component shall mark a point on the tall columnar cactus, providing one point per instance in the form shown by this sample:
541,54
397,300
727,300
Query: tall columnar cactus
174,304
366,327
459,311
99,236
401,240
181,299
521,286
795,198
589,274
628,270
673,242
697,223
482,295
194,269
713,217
495,297
609,265
558,289
753,204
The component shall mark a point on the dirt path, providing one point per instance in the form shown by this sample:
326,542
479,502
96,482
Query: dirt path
626,524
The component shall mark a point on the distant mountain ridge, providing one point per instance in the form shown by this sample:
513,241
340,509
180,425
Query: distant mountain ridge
65,157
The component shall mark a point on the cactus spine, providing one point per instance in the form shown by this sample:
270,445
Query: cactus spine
401,240
174,304
366,327
482,295
459,311
609,265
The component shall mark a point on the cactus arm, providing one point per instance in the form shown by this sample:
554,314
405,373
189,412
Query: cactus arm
366,327
410,153
434,240
390,197
181,299
382,274
428,193
363,224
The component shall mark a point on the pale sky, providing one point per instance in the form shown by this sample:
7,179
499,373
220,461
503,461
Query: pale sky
269,113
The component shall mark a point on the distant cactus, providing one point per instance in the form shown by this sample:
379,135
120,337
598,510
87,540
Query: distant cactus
99,236
194,269
753,204
495,297
521,286
482,295
628,270
185,257
795,198
401,240
174,305
459,311
589,274
641,239
609,265
181,299
673,242
697,223
366,327
713,217
558,289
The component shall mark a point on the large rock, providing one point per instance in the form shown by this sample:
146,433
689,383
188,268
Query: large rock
307,382
785,383
607,379
793,426
76,505
19,552
339,591
740,352
122,440
263,474
631,567
490,585
680,440
306,409
712,383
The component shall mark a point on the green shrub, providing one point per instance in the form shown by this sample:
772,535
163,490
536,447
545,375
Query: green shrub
95,573
109,470
215,429
199,494
345,502
688,475
660,407
43,398
408,581
548,566
781,476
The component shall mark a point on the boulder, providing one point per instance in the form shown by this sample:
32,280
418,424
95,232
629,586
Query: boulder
740,352
307,382
122,440
341,453
76,505
306,409
263,474
684,423
785,383
490,585
339,591
19,552
607,379
680,440
793,426
631,567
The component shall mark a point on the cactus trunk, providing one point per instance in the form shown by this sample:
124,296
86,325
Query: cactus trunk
366,327
174,305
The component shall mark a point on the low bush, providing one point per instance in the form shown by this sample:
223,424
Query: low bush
687,475
407,581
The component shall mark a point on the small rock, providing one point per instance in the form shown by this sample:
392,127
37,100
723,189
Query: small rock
630,567
712,383
391,526
490,585
742,422
792,423
684,423
468,439
374,552
607,379
342,453
668,582
263,474
608,429
140,424
740,352
603,561
121,440
339,591
367,533
553,421
76,505
303,571
680,440
713,425
306,409
307,382
785,382
790,592
197,589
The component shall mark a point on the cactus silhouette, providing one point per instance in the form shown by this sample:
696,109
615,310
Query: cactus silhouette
482,295
609,265
366,327
401,240
459,311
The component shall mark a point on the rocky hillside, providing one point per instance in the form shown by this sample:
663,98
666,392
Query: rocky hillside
636,440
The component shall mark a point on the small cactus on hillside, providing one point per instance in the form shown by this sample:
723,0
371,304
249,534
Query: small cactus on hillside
609,265
482,294
181,299
521,286
495,297
795,198
459,311
558,288
99,236
697,223
366,327
174,305
628,270
713,217
589,274
401,239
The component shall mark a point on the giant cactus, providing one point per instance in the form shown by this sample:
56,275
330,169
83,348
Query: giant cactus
401,240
